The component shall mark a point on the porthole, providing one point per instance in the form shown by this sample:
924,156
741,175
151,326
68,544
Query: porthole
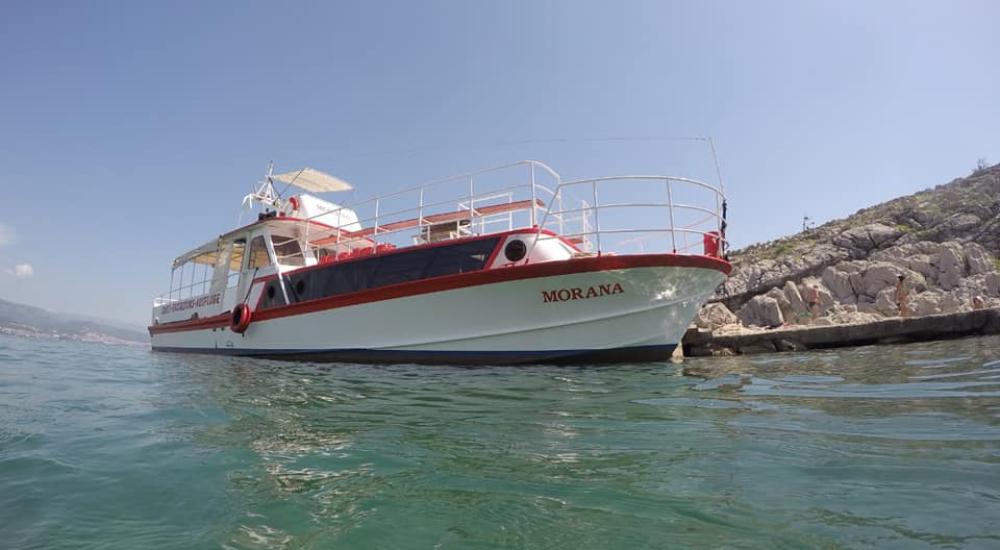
515,250
300,287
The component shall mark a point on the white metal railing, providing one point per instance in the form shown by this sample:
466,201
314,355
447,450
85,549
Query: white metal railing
689,211
480,204
193,289
690,226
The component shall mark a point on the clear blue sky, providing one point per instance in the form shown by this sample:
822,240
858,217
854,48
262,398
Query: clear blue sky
130,130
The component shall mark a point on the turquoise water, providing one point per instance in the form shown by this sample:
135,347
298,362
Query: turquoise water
110,447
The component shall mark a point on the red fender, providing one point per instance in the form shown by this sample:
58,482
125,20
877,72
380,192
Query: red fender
240,319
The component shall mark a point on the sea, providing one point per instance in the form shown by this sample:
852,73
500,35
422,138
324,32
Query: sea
120,448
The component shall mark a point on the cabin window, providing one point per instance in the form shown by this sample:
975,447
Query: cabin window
236,256
258,254
288,251
460,258
400,267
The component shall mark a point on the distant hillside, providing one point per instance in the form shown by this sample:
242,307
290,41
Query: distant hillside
944,241
29,321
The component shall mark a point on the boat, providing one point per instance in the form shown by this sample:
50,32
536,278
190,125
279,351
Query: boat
507,265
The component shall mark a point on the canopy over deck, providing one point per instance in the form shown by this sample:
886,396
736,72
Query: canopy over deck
313,180
292,227
204,254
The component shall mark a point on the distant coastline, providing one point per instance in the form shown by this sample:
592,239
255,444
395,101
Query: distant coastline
26,321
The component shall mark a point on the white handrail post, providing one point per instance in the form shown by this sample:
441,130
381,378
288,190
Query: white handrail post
194,270
472,198
510,215
420,211
306,247
531,170
375,229
558,197
597,218
670,207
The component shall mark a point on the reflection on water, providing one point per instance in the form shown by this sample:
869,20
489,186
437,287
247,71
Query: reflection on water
880,446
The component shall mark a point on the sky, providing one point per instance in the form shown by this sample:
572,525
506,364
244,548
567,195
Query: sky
129,131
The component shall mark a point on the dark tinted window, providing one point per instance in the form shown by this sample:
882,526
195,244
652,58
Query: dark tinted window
401,267
461,258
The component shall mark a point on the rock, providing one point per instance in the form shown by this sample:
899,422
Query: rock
847,314
880,276
885,302
866,304
760,346
955,226
839,283
714,350
762,311
926,303
796,304
779,296
794,309
866,238
921,263
977,260
715,315
858,284
991,283
811,289
950,266
737,329
787,344
952,304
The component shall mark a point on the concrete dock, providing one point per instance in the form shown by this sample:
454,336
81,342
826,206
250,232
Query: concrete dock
700,342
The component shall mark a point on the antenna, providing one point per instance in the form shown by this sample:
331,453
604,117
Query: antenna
715,159
264,193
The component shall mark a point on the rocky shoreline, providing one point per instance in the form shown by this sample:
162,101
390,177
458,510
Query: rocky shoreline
933,254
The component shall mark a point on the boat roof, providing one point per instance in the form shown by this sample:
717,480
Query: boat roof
313,180
206,253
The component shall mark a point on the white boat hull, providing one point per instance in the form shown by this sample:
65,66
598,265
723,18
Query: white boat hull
631,313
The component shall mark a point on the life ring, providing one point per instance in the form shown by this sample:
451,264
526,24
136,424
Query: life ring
240,319
294,203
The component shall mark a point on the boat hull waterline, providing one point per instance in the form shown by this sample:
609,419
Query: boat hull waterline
635,310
